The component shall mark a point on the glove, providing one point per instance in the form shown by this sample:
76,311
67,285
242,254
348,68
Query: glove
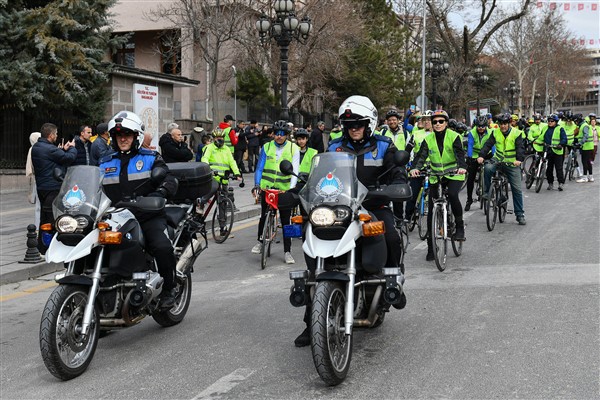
256,190
160,192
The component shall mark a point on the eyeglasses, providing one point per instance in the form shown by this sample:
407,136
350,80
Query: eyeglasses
280,133
354,124
438,121
124,134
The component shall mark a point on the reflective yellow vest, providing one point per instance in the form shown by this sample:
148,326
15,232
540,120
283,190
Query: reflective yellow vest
446,162
307,160
506,149
271,177
219,159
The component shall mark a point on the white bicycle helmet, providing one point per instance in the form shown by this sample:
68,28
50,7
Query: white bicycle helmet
359,108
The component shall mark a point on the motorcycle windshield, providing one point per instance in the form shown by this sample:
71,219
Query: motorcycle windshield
81,192
332,181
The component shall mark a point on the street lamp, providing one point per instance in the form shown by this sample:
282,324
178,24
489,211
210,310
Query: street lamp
479,80
284,28
234,92
511,90
435,67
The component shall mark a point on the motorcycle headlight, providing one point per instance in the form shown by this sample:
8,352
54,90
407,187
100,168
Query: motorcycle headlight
66,224
322,216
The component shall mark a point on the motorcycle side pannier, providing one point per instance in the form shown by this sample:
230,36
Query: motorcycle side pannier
195,180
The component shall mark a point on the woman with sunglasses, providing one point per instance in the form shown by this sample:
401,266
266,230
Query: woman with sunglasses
446,154
268,176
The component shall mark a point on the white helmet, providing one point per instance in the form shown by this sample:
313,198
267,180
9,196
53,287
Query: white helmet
125,121
359,108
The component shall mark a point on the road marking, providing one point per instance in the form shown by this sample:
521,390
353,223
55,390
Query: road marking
17,211
27,292
225,384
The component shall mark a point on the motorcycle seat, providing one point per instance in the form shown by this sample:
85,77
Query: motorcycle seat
175,215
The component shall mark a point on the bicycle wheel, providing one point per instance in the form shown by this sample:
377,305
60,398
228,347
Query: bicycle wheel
422,222
530,176
456,244
539,178
415,215
464,183
569,168
492,209
437,230
267,236
503,202
527,163
222,229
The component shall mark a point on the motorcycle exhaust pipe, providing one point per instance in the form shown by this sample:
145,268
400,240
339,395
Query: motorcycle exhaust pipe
393,293
298,294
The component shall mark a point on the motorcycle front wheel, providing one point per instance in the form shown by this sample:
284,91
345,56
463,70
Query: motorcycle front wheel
331,347
65,351
175,315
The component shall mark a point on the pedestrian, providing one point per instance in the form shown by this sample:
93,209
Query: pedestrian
316,137
205,141
266,135
45,157
147,142
173,147
241,146
101,145
555,136
253,138
589,144
83,145
230,136
29,173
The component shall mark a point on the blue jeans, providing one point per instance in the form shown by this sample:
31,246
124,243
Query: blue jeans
513,174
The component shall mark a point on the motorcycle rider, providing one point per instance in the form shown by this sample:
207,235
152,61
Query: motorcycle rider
375,155
447,156
126,174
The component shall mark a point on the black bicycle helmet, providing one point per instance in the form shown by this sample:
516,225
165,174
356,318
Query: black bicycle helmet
392,113
301,132
453,124
503,118
282,125
481,121
553,117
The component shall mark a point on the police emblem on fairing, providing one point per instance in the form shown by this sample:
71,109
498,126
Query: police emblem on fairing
74,199
329,186
139,165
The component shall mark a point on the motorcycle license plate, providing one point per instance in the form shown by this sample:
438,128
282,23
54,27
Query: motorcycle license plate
292,231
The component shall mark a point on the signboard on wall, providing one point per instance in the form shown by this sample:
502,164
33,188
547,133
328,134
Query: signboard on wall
145,104
473,113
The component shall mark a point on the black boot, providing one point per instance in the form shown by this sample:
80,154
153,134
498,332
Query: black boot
459,233
167,299
304,339
468,205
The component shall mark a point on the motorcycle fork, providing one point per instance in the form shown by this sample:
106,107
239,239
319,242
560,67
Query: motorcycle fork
349,311
89,307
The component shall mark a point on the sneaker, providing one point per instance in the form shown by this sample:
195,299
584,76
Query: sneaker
560,187
303,339
257,249
550,186
223,232
468,205
288,258
590,178
521,220
583,179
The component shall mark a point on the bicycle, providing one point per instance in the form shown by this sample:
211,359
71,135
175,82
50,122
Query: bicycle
572,165
419,217
540,168
479,185
443,227
401,226
225,208
496,206
271,223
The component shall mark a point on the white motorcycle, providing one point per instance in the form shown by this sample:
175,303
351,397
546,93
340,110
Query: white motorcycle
111,281
350,287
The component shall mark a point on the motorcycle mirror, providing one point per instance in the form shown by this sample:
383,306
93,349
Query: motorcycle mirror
158,175
58,174
401,158
242,184
286,168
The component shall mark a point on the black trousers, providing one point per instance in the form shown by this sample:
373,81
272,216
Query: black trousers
253,156
555,161
453,190
46,198
415,186
586,161
472,168
284,218
159,245
238,156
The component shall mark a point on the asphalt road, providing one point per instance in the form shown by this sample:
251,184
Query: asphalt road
516,316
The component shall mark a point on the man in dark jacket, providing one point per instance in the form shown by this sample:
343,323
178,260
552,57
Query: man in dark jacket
83,145
100,147
253,137
173,148
241,146
316,138
46,156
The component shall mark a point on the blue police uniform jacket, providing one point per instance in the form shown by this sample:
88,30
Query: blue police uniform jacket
139,168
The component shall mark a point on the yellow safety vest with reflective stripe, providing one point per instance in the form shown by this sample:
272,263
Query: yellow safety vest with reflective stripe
555,139
477,142
589,142
307,160
398,139
506,149
228,143
534,133
446,162
570,131
219,159
271,177
334,135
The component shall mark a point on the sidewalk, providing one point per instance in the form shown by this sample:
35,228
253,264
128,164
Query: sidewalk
16,213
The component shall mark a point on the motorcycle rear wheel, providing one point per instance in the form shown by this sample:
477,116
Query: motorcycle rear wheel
331,347
66,353
175,315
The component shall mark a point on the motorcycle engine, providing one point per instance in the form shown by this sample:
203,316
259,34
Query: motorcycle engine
148,287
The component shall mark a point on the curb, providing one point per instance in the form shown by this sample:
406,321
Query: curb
33,271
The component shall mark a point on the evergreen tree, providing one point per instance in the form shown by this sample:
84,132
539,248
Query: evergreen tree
52,54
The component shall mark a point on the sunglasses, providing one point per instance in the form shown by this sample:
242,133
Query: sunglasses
124,134
280,133
438,121
354,124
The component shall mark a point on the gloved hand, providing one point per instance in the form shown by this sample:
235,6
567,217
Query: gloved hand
160,192
256,190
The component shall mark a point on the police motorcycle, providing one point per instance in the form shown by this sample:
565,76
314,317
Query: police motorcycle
111,281
350,288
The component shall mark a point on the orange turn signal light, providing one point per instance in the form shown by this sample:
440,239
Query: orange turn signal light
373,228
108,237
46,227
364,217
298,219
103,225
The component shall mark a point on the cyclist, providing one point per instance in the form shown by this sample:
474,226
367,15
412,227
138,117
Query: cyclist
306,153
509,149
570,127
414,144
552,134
397,136
589,139
268,176
447,156
514,124
375,155
336,132
219,158
476,139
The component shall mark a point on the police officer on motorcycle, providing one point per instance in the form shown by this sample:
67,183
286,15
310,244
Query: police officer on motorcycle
127,175
375,155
